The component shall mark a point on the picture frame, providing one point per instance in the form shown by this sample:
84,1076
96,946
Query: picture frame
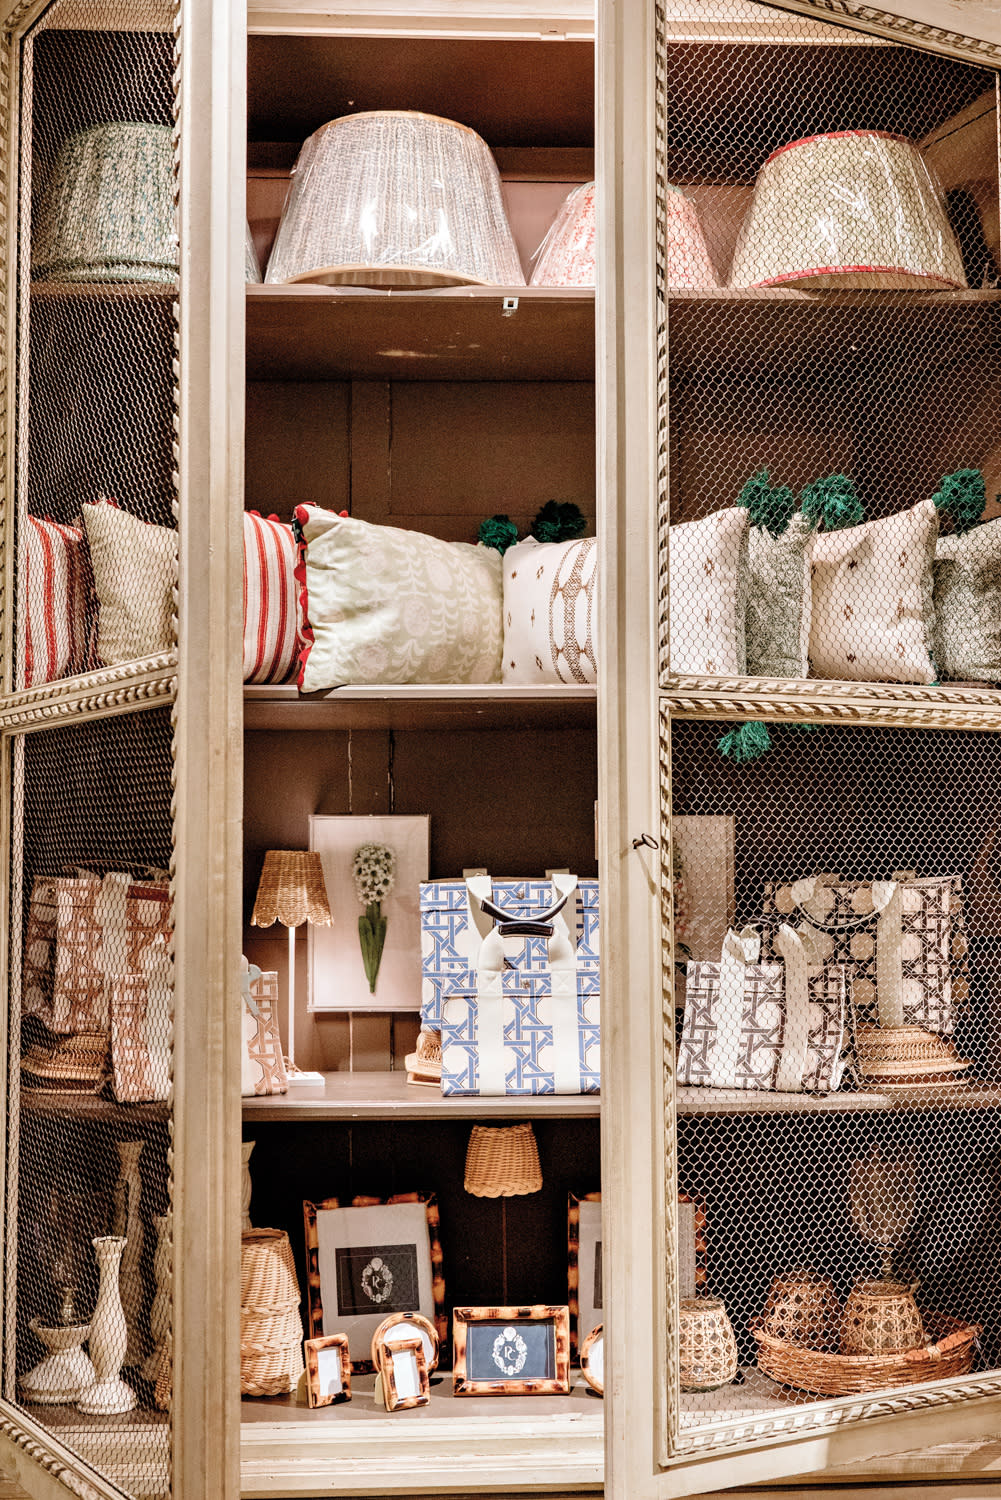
336,969
404,1374
584,1259
511,1351
328,1370
368,1259
592,1359
403,1325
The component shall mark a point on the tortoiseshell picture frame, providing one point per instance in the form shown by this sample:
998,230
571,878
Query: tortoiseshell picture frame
573,1258
314,1298
592,1359
387,1369
510,1346
314,1349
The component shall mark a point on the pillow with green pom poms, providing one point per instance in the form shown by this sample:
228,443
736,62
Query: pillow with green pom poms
551,612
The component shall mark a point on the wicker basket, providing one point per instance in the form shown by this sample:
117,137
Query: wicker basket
502,1162
424,1064
897,1055
268,1281
271,1373
707,1348
881,1317
820,1374
802,1308
267,1330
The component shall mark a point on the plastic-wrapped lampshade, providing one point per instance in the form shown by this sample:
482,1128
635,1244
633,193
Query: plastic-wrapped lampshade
855,208
107,213
252,266
567,256
394,198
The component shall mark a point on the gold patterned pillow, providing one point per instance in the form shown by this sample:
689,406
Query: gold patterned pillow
550,612
968,604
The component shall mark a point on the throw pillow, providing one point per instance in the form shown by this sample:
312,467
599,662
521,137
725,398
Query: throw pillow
968,604
271,617
708,573
135,566
550,611
872,599
55,596
385,605
779,600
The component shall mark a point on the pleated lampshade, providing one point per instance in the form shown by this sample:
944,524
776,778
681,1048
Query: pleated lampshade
567,256
502,1162
395,198
854,208
107,213
291,890
688,262
252,266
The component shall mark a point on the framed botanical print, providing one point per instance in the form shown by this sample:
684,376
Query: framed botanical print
511,1351
369,1260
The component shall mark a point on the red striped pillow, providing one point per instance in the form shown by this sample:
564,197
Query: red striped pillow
272,621
55,618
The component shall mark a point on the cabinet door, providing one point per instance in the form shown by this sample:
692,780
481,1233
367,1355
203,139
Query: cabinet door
704,385
119,745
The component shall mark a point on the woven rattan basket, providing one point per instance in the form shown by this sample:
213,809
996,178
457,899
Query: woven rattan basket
268,1282
267,1330
888,1055
802,1308
950,1353
707,1349
881,1317
271,1373
502,1162
424,1063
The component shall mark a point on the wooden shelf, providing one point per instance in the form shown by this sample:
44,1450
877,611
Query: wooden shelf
388,1096
792,700
779,326
102,291
476,1441
476,706
698,1101
451,333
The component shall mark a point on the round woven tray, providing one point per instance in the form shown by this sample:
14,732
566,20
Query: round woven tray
951,1353
899,1053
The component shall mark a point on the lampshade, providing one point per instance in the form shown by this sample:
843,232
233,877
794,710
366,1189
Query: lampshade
566,256
291,890
108,209
251,265
852,208
395,198
688,263
502,1162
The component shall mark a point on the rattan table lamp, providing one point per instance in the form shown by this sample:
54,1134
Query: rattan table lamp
292,891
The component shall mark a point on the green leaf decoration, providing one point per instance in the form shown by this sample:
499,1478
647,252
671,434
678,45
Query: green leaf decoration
498,532
832,501
771,507
558,521
747,742
963,496
372,936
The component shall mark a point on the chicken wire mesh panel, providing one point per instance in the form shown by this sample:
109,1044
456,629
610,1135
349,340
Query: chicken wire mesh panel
830,248
837,986
97,260
91,1000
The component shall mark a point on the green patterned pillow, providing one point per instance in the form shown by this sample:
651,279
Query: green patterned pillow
968,604
779,600
385,605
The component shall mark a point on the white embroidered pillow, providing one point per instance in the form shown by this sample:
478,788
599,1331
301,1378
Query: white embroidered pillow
384,605
708,572
872,599
134,565
968,604
550,611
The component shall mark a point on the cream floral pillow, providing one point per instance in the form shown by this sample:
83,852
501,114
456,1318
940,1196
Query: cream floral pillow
550,611
872,599
385,605
708,573
968,604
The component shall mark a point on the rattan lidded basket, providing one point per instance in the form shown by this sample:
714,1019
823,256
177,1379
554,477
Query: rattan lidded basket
707,1348
395,198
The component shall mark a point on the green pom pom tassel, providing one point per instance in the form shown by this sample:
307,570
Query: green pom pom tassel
558,521
833,501
746,742
498,532
963,496
772,507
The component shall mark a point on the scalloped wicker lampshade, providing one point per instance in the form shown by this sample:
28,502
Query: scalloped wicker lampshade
502,1162
395,198
291,890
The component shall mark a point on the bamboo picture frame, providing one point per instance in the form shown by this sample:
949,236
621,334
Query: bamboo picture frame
401,1325
361,1363
592,1359
505,1340
395,1358
320,1354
